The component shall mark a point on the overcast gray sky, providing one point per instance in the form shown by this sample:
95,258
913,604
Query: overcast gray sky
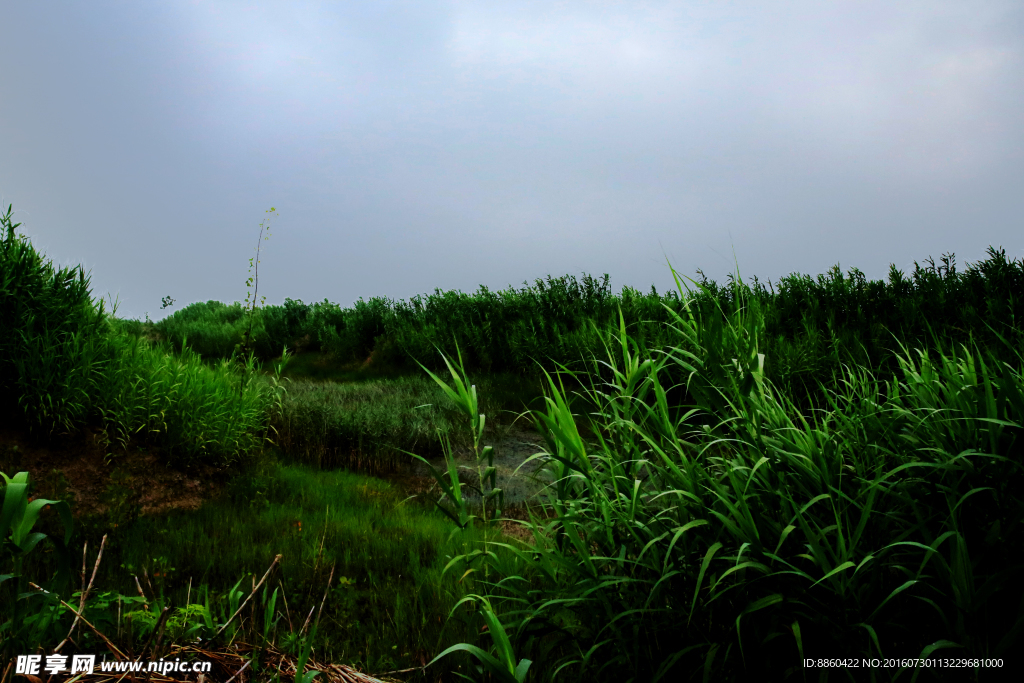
414,145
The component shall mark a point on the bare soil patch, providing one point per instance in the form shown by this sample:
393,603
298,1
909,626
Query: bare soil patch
77,468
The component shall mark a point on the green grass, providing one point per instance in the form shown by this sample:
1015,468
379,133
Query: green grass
377,556
388,602
371,425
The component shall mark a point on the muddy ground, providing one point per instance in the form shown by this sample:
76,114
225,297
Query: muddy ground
82,469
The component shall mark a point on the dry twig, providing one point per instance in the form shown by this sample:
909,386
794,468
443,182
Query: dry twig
242,606
85,590
110,645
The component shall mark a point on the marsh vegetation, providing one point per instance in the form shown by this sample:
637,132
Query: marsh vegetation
731,478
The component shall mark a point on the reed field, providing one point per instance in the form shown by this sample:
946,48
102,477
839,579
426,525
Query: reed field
809,323
371,425
738,479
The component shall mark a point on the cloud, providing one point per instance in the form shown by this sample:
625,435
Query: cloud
448,143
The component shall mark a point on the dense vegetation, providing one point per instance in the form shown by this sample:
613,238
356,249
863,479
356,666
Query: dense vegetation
372,425
66,363
740,476
810,324
350,545
739,534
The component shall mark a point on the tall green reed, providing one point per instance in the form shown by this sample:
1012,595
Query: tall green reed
197,413
811,324
48,335
502,665
66,363
734,531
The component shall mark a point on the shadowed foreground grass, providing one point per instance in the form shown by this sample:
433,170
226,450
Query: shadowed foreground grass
387,604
